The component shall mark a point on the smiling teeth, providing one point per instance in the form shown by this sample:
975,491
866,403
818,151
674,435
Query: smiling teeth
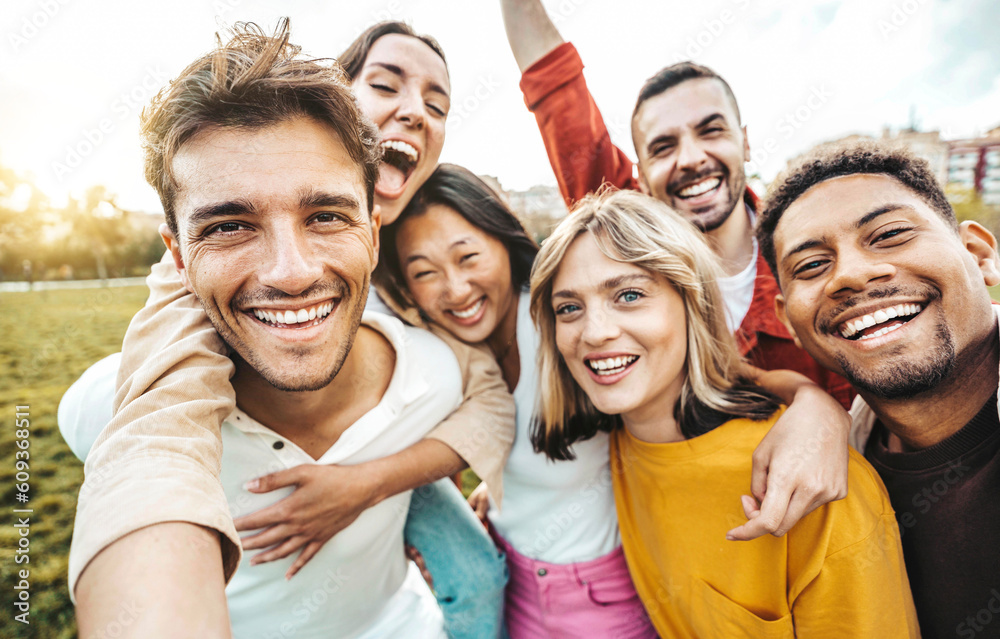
701,187
469,312
294,317
402,147
611,365
851,328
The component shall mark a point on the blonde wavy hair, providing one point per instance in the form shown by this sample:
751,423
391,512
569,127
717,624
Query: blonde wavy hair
636,229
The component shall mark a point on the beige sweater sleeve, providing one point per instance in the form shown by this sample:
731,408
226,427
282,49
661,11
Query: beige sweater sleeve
481,430
158,460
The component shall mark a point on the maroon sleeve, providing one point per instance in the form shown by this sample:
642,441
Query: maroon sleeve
576,139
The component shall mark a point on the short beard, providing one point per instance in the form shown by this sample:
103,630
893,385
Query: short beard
736,189
306,384
905,379
257,363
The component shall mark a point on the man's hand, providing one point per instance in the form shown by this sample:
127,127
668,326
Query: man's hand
480,501
799,466
327,500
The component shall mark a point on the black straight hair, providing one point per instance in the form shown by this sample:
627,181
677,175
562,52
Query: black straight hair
462,191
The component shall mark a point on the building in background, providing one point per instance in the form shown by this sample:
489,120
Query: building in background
966,167
540,208
975,164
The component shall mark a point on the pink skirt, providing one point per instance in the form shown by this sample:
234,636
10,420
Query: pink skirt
588,599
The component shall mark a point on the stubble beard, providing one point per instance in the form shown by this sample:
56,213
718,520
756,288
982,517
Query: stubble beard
304,383
904,379
706,222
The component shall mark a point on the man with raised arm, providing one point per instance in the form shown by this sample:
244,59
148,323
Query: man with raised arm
267,169
691,147
880,283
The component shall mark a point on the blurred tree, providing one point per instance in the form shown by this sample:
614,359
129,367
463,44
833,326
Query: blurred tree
91,236
969,205
21,207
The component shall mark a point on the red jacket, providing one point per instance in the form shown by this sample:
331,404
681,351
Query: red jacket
583,158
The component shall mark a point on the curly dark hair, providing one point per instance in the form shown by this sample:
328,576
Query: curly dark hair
846,158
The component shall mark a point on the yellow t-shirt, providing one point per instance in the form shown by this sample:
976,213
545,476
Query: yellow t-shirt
838,573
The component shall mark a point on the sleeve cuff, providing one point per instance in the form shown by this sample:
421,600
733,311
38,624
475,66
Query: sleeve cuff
555,69
144,490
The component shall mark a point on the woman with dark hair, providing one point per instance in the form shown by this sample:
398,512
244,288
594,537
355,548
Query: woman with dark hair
463,258
401,80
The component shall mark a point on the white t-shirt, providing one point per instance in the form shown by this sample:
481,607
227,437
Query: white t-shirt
360,585
561,512
737,292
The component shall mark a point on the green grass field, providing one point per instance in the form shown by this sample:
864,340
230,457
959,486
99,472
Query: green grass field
48,339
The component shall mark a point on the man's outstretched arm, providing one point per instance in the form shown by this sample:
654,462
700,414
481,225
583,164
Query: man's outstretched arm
530,32
156,464
162,581
574,132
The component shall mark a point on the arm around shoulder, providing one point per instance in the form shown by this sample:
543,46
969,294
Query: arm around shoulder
848,576
481,430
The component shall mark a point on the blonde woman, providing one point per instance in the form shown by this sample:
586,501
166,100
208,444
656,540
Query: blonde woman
633,341
463,259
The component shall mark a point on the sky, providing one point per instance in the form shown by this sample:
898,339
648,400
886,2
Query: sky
74,74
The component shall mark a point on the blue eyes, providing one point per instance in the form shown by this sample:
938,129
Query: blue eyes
629,296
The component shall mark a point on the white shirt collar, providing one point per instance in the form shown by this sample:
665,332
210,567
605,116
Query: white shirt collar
404,388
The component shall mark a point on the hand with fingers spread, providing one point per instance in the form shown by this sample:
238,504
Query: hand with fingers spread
326,500
800,465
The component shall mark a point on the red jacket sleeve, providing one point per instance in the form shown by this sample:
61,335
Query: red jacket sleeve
576,139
